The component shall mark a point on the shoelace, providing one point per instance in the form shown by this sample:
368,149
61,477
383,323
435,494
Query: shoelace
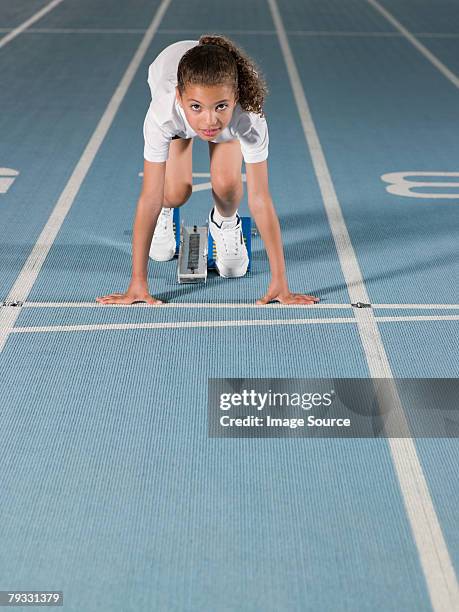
231,237
163,219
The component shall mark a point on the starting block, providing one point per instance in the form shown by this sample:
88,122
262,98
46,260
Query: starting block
196,249
192,259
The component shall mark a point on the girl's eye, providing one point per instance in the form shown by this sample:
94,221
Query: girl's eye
193,105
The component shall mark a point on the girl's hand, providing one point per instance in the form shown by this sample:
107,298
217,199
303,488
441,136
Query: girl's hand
137,292
280,292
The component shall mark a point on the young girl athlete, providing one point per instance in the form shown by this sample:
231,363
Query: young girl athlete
211,89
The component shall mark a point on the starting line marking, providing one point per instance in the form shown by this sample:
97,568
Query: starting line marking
199,324
232,305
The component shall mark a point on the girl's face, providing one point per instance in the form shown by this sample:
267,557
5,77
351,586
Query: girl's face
208,110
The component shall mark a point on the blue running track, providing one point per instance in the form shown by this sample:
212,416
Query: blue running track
111,489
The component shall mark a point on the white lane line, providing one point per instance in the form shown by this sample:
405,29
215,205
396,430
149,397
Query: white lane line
420,318
324,33
34,263
234,305
436,34
434,557
341,33
419,306
179,325
198,324
81,30
228,305
16,31
414,41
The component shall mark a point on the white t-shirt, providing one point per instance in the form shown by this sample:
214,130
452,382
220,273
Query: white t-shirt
165,117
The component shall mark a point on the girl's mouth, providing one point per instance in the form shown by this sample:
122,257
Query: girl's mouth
209,132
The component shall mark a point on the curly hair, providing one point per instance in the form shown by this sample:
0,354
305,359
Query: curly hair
216,60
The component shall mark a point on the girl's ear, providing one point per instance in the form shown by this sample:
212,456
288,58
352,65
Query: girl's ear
177,94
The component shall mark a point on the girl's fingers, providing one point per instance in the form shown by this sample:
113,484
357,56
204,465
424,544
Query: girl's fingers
312,297
120,298
265,299
306,299
108,299
291,298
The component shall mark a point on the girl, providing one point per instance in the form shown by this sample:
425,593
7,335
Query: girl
211,89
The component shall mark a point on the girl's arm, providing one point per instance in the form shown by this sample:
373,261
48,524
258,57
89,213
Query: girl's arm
148,210
262,210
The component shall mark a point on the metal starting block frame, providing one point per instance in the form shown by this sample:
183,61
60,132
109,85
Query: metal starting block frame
192,261
196,249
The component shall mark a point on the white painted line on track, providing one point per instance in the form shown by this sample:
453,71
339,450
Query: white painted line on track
419,306
199,324
81,30
324,33
34,263
234,305
414,41
16,31
420,318
228,305
433,552
179,325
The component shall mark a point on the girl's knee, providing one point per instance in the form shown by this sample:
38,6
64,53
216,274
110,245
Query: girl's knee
178,195
230,192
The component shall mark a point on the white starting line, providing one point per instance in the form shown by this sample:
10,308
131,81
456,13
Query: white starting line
230,323
10,329
200,324
233,305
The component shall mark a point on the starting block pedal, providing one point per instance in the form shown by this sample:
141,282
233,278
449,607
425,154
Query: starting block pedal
196,249
192,261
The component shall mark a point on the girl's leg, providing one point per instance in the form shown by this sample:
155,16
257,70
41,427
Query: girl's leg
178,183
226,177
224,225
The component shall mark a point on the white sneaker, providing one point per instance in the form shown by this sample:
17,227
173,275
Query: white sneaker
163,242
232,258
